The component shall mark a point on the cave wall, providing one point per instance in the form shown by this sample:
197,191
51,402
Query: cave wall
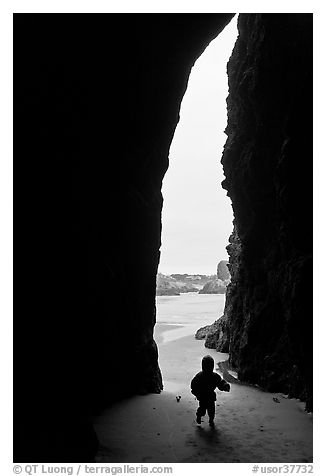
96,103
267,162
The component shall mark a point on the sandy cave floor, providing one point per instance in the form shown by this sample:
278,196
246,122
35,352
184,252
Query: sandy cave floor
249,425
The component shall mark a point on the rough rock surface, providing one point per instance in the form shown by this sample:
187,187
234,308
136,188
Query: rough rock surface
268,167
97,100
218,335
202,332
215,286
223,272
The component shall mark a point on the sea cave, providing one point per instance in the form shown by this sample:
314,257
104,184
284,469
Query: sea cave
96,104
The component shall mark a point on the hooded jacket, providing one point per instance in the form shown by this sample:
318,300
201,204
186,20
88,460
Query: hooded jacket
205,382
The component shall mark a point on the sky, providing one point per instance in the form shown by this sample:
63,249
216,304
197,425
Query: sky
197,215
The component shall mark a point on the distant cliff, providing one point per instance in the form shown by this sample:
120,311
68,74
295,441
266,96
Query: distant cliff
215,286
219,283
175,284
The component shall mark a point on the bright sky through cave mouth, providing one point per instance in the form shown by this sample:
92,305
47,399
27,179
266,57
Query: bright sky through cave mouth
197,215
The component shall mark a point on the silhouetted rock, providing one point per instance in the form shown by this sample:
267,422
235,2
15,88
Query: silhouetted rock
267,162
97,100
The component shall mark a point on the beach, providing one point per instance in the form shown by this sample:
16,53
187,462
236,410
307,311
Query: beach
251,425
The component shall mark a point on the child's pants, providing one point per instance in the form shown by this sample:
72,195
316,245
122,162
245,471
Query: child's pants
208,405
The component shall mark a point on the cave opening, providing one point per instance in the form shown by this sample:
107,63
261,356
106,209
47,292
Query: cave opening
197,215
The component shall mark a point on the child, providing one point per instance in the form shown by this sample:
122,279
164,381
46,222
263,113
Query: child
203,386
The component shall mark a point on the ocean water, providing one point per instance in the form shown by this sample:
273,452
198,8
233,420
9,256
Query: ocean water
187,312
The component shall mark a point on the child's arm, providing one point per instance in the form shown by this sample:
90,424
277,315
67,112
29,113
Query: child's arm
222,384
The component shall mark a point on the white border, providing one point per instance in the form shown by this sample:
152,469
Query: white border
160,6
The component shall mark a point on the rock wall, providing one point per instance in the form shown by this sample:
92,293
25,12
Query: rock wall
223,272
268,167
97,99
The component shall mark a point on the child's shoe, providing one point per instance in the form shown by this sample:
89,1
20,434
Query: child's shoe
211,423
